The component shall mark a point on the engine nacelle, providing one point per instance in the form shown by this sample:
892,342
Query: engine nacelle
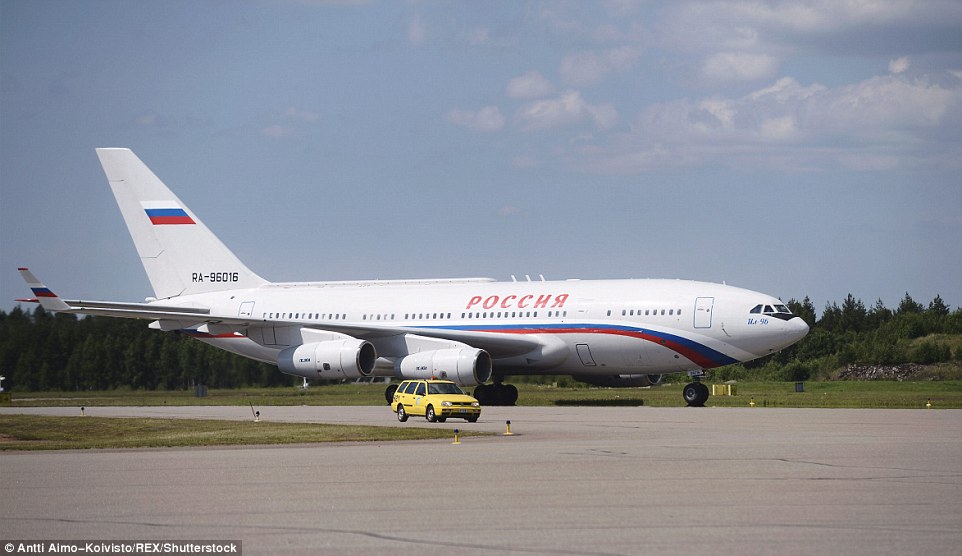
465,366
620,381
331,360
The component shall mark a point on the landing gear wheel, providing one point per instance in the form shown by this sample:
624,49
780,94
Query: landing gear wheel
509,394
402,415
389,393
695,394
430,415
496,394
481,393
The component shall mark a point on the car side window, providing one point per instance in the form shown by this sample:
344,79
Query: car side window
409,389
420,390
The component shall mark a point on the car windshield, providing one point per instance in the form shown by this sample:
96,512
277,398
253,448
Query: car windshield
443,388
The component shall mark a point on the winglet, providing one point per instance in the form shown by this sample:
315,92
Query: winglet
47,299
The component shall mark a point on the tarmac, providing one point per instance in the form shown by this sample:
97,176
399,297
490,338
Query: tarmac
580,481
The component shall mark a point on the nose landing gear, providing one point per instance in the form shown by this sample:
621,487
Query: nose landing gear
695,394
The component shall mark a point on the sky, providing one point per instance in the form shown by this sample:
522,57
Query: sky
793,148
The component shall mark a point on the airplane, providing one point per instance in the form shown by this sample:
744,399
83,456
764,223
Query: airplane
618,333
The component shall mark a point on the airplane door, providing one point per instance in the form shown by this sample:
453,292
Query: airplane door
585,354
703,307
246,309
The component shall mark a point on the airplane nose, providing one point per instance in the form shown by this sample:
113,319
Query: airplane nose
797,329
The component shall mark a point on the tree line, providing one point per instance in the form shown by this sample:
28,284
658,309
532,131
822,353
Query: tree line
852,333
40,351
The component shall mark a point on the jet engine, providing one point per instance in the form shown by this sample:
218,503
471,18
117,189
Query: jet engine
331,360
465,366
620,381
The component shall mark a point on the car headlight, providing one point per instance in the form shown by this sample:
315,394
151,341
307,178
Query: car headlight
446,404
475,404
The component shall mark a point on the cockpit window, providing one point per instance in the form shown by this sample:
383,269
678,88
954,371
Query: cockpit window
770,310
777,310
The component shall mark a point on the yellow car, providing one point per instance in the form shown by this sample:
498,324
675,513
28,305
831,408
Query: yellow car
435,399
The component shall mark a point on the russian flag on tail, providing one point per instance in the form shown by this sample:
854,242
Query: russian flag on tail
165,213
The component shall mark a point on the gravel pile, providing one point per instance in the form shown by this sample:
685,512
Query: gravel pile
881,372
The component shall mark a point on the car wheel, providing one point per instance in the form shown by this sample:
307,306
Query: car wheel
429,414
402,415
473,418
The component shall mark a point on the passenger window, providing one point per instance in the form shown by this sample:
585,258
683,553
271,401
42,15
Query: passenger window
420,390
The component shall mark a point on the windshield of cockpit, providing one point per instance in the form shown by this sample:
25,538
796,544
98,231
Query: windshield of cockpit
773,309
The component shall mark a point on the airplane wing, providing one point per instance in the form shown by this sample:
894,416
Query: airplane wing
498,345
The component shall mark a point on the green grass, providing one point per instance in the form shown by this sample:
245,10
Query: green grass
854,394
35,432
836,394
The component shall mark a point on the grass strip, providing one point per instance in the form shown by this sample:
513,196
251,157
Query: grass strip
39,432
838,394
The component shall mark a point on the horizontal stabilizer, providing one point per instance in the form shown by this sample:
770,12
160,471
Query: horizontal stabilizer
47,299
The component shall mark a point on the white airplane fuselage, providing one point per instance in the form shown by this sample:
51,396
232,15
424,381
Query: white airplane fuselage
583,327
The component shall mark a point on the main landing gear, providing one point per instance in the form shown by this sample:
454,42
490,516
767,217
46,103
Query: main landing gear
389,394
695,394
496,394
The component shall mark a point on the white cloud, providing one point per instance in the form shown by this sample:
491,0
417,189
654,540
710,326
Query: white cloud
489,119
899,65
590,68
147,119
879,123
777,129
302,115
738,66
277,131
416,30
530,85
479,36
508,210
885,108
567,109
604,115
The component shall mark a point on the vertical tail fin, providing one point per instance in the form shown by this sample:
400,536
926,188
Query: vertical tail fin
180,254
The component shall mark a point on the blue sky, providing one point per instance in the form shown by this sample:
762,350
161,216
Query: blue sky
795,148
